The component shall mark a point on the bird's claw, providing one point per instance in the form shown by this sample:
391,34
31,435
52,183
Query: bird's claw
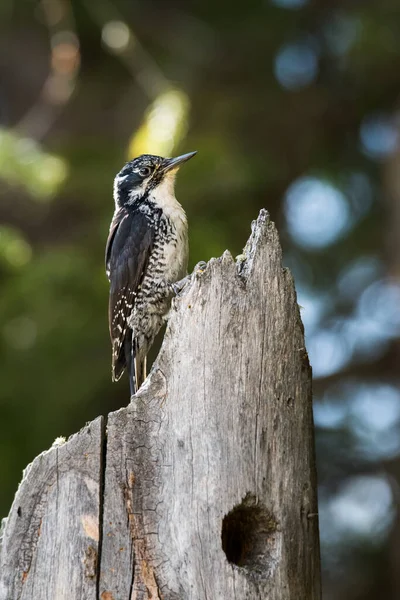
178,286
200,267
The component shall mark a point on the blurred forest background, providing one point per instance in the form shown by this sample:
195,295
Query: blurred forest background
293,105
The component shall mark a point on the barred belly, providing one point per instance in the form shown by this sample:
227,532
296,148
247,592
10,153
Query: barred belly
167,264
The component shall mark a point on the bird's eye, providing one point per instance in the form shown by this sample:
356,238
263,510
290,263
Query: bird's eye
144,171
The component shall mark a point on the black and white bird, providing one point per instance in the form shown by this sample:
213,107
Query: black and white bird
146,254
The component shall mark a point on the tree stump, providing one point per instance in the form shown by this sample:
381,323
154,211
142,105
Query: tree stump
204,487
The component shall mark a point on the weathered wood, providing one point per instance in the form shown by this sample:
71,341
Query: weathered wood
217,448
209,476
49,544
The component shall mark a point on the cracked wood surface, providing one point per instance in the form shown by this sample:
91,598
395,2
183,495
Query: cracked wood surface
209,473
49,542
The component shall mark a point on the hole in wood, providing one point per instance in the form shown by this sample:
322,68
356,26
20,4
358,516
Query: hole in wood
250,538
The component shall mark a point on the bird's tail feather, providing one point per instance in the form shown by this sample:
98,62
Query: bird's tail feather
131,359
117,370
140,369
129,356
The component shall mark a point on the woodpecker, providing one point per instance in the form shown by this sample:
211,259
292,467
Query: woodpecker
146,254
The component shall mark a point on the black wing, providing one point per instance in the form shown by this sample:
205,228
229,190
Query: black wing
118,217
128,249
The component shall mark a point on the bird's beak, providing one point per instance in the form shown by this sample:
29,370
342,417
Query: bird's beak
173,163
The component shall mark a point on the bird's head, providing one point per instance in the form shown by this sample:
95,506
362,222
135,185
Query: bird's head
146,176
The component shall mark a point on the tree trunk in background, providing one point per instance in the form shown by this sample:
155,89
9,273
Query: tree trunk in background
391,182
209,474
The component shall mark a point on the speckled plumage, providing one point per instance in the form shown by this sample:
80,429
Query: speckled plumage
147,251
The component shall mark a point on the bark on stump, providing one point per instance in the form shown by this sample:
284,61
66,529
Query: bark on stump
204,487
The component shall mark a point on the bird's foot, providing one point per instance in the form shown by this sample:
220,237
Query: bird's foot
200,267
178,286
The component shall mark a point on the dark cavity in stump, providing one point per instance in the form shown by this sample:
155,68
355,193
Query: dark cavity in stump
250,538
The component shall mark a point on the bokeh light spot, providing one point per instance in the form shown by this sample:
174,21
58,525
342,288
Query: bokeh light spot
328,352
362,510
317,213
379,304
357,275
296,65
376,406
164,125
379,136
363,507
341,31
65,57
374,419
14,249
329,415
290,4
359,190
313,307
369,412
116,35
24,163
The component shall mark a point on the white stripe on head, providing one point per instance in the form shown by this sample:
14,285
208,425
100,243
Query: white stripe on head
137,192
118,179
